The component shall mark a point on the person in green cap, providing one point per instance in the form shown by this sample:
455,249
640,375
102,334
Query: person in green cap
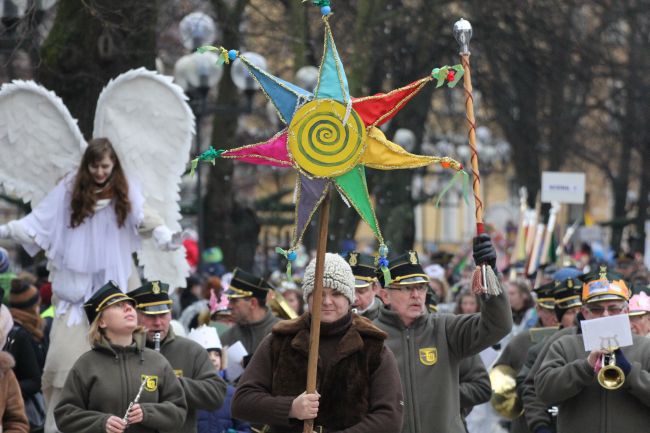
247,303
430,347
190,362
568,374
119,383
366,287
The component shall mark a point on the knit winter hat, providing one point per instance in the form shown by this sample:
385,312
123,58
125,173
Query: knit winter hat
337,275
23,295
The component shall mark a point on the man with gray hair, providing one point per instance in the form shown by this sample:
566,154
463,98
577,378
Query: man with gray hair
358,382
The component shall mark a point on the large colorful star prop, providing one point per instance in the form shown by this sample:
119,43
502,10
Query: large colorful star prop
331,137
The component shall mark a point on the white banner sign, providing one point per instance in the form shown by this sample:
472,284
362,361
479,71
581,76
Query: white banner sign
563,187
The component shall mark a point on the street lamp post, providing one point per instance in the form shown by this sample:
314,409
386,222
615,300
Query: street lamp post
197,73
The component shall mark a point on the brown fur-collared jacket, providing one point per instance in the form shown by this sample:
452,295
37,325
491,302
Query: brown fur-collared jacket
357,378
12,407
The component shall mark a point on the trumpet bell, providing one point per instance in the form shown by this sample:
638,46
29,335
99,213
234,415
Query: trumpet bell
611,377
504,392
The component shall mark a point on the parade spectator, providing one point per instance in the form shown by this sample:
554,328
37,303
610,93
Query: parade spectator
107,378
467,302
522,305
295,300
89,226
28,345
203,388
358,381
220,420
430,347
12,408
247,295
567,376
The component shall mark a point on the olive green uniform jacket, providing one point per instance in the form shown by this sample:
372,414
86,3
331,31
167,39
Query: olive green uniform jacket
474,384
107,378
566,378
203,387
536,411
428,356
514,356
251,334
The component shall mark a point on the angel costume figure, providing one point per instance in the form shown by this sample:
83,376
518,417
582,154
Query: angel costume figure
115,196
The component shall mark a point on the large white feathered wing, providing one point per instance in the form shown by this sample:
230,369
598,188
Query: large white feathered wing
39,139
151,126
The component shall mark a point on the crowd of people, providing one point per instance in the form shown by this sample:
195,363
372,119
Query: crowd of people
90,346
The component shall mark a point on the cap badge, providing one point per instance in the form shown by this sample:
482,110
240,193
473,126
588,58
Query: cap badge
569,283
155,288
603,272
353,259
413,257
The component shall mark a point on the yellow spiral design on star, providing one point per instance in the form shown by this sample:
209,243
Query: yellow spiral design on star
320,143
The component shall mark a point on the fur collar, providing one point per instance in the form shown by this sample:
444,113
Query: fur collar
6,362
351,341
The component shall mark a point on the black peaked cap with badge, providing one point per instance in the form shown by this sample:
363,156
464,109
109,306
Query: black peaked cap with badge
245,285
545,295
363,267
152,298
567,293
404,269
103,298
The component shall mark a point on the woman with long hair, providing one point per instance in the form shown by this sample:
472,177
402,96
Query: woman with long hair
117,371
89,226
467,302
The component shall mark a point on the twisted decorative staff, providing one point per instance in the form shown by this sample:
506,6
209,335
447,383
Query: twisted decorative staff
485,281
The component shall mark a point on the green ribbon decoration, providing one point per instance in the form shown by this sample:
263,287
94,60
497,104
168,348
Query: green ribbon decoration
209,155
285,253
223,53
465,186
440,75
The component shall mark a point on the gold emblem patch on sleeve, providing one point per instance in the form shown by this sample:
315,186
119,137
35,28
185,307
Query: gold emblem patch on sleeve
428,355
178,373
151,383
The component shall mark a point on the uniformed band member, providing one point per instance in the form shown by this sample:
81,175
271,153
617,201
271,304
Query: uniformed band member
568,375
247,303
429,347
190,362
566,295
107,378
514,354
357,380
366,285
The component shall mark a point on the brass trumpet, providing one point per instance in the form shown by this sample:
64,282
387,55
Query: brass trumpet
610,375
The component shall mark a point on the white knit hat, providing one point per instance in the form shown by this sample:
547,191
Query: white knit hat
337,275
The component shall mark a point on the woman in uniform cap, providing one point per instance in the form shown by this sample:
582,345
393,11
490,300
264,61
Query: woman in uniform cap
118,369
